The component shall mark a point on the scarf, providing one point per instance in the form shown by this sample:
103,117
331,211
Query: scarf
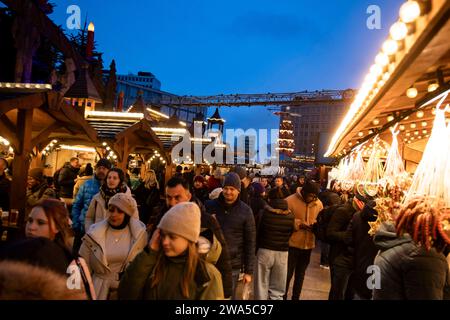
107,193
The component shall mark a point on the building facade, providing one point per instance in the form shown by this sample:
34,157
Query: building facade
314,127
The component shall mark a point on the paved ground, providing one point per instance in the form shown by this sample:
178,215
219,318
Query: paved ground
317,281
316,285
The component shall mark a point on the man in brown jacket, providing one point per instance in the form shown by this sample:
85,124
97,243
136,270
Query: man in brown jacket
305,206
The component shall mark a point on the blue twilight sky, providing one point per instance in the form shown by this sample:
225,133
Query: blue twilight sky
206,47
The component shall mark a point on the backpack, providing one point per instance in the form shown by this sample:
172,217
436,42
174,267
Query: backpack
322,221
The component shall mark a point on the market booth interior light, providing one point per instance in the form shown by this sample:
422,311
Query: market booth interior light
411,92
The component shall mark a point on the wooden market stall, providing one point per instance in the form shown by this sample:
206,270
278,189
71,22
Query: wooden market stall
410,75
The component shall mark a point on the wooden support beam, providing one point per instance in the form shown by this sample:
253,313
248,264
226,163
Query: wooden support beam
8,130
43,135
21,163
25,102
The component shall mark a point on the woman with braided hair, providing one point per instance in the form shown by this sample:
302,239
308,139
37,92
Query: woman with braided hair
412,257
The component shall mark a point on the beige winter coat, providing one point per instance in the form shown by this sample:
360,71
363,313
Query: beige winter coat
305,214
93,251
78,183
97,211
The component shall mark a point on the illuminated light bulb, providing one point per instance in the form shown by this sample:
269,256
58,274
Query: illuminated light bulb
432,87
370,131
390,47
104,144
44,153
386,76
360,134
55,141
433,111
409,11
161,159
376,70
419,137
402,127
376,122
424,131
390,118
406,118
405,139
416,133
408,134
398,31
424,123
419,114
413,125
108,148
412,138
382,59
411,92
114,156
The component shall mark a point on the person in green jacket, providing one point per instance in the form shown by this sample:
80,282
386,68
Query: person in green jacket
170,267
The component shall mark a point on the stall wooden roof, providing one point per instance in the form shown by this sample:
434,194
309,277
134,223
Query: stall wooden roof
51,118
425,53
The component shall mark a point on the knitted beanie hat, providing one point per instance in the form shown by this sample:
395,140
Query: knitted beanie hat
125,203
103,163
183,219
232,180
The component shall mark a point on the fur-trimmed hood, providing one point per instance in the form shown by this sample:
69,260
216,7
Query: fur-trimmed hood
21,281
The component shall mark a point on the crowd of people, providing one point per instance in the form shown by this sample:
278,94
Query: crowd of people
199,236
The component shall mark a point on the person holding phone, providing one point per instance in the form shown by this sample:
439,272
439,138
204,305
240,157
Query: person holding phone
170,267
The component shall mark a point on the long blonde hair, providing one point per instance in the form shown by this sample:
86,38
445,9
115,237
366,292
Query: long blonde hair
189,269
149,178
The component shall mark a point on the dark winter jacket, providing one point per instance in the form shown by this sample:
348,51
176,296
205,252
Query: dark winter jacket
407,270
211,225
66,181
275,227
338,236
201,194
364,250
257,203
5,188
244,195
37,193
136,282
238,226
147,200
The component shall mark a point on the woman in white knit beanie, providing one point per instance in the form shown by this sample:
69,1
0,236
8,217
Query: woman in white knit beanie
170,266
111,244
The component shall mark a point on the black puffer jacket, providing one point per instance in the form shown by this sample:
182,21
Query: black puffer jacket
148,200
338,235
364,250
5,188
275,227
66,181
238,225
409,271
257,203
